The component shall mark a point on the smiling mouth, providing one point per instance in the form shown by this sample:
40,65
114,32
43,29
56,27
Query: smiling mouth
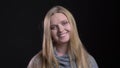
62,35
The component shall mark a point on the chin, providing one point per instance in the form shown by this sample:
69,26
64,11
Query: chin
64,41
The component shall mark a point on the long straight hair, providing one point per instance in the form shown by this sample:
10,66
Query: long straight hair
76,50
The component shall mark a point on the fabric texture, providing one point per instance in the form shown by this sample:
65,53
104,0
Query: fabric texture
92,63
64,61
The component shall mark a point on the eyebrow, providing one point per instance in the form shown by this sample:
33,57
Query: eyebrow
53,25
59,22
64,21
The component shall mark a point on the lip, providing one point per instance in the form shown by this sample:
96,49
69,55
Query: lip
62,34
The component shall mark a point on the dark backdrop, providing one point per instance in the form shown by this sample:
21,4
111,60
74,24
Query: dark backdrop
95,22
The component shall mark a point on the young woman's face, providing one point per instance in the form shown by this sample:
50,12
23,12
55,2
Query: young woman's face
60,28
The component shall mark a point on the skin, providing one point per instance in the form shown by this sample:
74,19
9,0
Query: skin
60,32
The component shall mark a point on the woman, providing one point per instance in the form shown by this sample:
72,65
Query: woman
62,47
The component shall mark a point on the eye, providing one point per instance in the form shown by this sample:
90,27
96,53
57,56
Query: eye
64,23
53,27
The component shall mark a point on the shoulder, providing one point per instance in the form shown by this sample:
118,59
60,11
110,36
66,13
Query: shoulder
92,62
35,62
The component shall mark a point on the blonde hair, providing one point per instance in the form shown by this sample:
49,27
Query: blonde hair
76,49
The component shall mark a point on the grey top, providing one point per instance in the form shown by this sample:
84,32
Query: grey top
65,62
93,63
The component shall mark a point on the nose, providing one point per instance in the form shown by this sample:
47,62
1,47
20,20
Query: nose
60,28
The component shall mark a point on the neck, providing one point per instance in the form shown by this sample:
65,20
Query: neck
61,49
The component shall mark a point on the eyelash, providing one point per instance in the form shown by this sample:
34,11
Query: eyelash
64,23
55,27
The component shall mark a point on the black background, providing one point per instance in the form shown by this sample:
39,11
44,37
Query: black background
96,22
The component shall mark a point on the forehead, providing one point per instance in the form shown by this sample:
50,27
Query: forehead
58,17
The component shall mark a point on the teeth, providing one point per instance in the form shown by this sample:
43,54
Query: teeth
61,35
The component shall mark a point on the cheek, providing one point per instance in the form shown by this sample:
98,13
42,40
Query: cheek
68,28
53,34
